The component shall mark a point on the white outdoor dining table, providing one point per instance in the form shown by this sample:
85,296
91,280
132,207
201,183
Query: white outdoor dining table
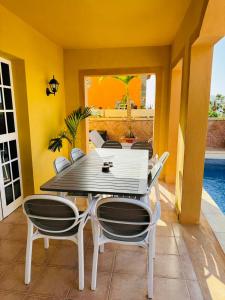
127,176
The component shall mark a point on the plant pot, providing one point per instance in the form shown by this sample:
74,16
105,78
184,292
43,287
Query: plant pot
129,140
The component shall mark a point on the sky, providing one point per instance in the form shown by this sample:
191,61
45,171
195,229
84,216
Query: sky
218,69
150,92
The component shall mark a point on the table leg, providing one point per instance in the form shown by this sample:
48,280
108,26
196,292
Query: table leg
92,224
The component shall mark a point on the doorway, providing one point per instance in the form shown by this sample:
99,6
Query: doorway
123,106
10,169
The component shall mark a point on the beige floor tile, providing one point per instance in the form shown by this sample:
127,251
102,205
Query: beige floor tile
11,296
171,289
9,250
55,282
166,245
166,204
130,262
64,256
101,292
169,216
105,260
17,217
164,229
177,229
5,229
182,248
3,269
59,243
88,239
88,225
194,290
128,286
17,232
40,255
40,297
187,267
116,246
168,266
179,249
13,279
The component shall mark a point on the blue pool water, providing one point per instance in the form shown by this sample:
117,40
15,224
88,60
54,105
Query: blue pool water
214,181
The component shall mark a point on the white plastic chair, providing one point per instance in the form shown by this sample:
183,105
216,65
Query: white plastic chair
54,217
153,176
143,146
124,221
75,154
111,223
96,138
112,145
61,163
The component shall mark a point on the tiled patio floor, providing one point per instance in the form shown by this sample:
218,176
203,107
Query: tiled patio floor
187,257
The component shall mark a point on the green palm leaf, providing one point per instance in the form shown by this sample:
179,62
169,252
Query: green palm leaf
72,122
57,142
125,78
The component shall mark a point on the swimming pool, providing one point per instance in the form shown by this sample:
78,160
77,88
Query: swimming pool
214,181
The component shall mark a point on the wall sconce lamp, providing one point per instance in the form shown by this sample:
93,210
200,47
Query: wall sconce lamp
53,87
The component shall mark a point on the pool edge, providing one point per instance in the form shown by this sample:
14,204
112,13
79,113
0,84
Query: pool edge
215,217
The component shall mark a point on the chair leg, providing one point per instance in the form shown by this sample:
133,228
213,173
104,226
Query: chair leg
29,253
46,243
81,260
150,269
92,221
153,241
95,262
101,248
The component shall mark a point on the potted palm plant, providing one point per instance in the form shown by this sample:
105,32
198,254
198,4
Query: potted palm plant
69,133
126,79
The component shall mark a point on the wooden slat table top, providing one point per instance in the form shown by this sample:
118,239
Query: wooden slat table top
127,176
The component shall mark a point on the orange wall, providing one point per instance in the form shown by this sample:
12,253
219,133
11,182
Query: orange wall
104,92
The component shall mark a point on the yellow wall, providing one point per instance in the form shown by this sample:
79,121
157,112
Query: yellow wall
20,92
104,93
41,58
193,115
189,28
192,136
120,60
174,115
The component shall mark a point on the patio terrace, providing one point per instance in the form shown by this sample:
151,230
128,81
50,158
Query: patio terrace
189,264
173,40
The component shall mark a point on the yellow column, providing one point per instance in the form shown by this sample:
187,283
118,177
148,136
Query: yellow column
161,114
174,114
192,133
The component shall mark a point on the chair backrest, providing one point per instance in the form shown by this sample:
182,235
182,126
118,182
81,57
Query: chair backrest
122,217
61,163
112,144
96,138
51,214
163,157
143,146
75,154
155,171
